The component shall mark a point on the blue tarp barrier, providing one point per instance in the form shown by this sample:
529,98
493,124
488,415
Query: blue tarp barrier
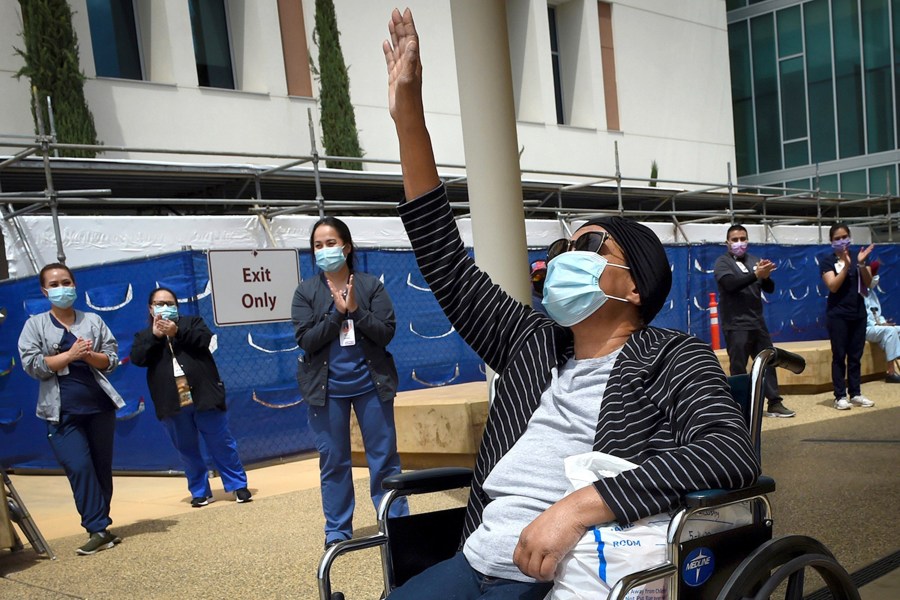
258,362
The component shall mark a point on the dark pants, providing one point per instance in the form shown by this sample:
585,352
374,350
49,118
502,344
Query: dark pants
456,580
331,425
743,345
83,445
848,340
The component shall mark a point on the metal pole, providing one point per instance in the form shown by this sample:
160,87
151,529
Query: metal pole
52,125
818,203
320,200
730,195
49,192
618,179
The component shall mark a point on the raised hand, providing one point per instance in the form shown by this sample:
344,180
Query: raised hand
401,54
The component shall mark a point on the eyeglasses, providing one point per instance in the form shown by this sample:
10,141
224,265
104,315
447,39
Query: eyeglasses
592,241
162,303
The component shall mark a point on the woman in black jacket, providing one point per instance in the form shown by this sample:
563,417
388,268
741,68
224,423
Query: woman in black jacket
343,320
189,395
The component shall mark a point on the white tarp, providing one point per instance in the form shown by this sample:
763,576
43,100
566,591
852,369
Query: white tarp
89,240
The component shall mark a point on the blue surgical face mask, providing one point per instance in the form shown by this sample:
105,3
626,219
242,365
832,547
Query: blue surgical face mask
169,313
572,288
62,297
330,259
841,245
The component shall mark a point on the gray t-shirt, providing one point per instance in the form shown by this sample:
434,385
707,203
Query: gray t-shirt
531,476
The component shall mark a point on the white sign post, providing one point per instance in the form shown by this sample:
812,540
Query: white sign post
252,286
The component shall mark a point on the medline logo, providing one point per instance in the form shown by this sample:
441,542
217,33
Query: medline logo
698,567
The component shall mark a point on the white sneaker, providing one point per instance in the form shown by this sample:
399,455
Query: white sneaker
842,403
861,401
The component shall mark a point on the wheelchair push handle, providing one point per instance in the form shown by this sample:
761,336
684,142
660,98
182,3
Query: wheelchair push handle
787,360
779,357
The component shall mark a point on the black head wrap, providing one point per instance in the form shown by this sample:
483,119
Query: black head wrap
646,257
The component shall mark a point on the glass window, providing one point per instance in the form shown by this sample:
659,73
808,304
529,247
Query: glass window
848,78
793,98
765,84
817,29
733,4
878,180
795,154
828,183
554,57
854,182
877,61
790,40
742,98
114,38
212,48
895,11
799,184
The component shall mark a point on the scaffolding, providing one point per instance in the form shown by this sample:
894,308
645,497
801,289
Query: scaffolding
296,185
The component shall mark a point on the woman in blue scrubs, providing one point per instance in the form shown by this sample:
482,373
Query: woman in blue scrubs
70,353
343,321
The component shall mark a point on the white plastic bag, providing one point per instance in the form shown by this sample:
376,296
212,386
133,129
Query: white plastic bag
609,551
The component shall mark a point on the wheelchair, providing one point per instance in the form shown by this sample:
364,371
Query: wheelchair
737,564
18,514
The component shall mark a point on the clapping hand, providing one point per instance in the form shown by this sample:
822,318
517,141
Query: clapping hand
81,349
163,327
344,300
764,268
864,254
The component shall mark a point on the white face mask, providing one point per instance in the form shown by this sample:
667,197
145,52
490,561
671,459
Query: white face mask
572,288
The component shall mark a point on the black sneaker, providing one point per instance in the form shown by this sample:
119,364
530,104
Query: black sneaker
777,409
199,501
243,495
98,541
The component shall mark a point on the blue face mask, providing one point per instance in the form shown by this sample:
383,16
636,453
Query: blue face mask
572,288
841,245
169,313
330,259
62,297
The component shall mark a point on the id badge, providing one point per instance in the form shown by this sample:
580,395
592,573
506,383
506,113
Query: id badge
838,267
348,334
743,267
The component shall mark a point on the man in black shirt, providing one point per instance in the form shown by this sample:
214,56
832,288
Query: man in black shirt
741,277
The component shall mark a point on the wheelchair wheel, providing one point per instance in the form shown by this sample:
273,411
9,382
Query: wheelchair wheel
786,559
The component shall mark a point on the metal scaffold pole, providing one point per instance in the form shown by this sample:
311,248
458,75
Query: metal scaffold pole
320,200
49,191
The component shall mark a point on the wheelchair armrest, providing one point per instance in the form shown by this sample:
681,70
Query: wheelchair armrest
709,498
429,480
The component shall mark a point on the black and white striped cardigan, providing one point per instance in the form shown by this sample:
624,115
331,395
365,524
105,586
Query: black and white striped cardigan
666,405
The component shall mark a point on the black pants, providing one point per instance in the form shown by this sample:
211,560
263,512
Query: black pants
848,340
742,345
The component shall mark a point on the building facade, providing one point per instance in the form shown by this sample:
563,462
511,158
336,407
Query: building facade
235,76
815,92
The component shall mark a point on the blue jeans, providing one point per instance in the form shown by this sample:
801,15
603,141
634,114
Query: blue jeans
331,426
185,428
83,445
456,580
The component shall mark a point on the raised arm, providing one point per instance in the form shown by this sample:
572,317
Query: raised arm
401,53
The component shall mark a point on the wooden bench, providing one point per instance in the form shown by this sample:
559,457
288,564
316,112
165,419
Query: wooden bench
816,377
436,427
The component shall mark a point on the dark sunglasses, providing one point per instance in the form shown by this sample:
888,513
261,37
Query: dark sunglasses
591,241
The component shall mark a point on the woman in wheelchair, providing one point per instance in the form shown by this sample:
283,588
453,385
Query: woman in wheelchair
593,376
